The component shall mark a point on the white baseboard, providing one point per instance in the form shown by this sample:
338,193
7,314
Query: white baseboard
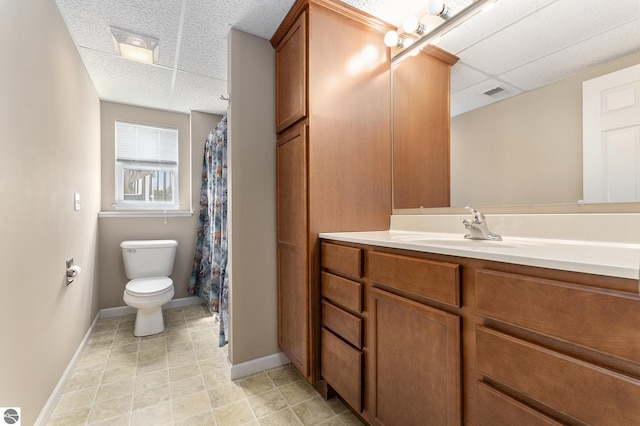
49,406
256,365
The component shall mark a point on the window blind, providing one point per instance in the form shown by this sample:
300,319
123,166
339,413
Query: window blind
140,143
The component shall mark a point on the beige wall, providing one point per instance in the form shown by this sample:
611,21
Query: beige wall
523,150
49,149
114,230
251,132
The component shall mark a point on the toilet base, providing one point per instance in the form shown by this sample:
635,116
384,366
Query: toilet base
148,322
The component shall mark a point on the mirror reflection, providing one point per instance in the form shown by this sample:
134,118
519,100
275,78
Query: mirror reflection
516,97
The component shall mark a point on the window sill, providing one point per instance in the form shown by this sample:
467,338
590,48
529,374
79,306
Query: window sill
131,213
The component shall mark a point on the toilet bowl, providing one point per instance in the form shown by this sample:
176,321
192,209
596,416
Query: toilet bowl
148,265
148,295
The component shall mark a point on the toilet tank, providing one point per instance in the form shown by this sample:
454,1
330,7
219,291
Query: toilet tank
148,258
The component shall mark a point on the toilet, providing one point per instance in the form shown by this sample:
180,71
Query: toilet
148,264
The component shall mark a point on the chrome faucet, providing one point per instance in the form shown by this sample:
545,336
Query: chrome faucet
477,227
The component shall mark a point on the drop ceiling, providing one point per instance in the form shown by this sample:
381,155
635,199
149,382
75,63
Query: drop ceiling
562,36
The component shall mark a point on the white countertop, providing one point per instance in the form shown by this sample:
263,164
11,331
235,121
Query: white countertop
601,258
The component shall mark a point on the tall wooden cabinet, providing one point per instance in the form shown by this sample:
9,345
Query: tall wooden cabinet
333,121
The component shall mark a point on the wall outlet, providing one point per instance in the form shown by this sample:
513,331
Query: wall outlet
76,201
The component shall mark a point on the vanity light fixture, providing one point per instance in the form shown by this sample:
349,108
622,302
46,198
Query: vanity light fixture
136,47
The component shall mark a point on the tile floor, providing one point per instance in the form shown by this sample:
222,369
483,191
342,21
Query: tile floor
181,377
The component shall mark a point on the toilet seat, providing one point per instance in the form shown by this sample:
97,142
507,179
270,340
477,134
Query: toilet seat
149,286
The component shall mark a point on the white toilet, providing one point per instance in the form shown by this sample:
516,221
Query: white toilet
148,265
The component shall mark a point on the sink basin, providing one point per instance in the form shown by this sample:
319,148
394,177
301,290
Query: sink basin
464,243
458,241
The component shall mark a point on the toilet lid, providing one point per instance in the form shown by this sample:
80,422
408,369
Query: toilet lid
149,286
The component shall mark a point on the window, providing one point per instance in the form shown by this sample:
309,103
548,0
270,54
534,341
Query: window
146,167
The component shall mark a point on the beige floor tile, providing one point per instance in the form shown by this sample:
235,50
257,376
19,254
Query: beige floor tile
190,406
177,347
159,414
284,375
202,419
177,359
125,348
209,365
256,384
122,420
113,390
121,360
333,421
215,379
118,374
152,396
80,380
184,372
225,394
298,391
90,356
86,367
151,380
268,403
157,342
104,410
72,417
188,386
73,400
152,354
151,365
337,405
284,417
313,411
237,413
350,419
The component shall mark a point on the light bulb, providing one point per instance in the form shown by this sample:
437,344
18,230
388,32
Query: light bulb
435,7
391,38
411,24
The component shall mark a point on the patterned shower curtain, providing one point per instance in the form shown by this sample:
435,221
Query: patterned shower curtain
209,278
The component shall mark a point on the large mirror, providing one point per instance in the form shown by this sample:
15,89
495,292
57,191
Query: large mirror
516,97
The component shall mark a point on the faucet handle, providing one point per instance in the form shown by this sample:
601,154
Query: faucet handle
478,217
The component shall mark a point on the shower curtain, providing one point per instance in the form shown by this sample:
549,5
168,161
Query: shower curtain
209,278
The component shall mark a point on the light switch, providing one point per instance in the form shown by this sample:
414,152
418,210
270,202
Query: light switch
76,201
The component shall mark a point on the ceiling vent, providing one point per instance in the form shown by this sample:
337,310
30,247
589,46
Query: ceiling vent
494,91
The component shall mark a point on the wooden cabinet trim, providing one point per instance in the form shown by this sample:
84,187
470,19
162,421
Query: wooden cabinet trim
435,280
605,321
583,391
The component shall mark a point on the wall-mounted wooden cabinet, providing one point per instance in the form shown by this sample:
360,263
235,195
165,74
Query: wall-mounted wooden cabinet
341,181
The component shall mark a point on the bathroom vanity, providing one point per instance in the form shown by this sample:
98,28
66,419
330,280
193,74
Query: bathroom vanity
430,328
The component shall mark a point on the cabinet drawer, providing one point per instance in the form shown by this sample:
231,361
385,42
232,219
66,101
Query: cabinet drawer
346,260
342,292
586,392
434,280
497,409
342,369
344,324
607,321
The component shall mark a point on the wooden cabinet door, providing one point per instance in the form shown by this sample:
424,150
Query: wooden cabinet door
291,75
416,363
293,263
